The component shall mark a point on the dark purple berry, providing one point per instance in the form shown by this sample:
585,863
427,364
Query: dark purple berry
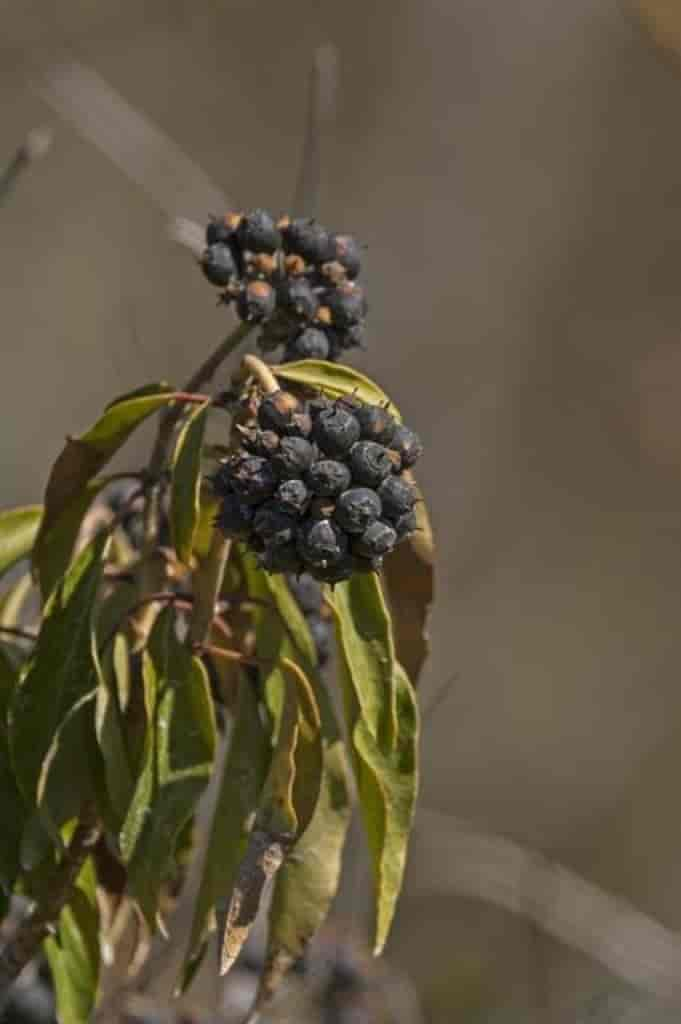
327,478
281,558
377,540
256,302
321,636
221,229
306,238
320,403
296,296
218,264
234,518
370,463
311,343
274,525
405,525
292,496
335,430
277,410
346,251
376,424
408,446
261,442
342,570
253,479
293,458
321,543
357,508
258,233
397,497
307,593
348,338
346,304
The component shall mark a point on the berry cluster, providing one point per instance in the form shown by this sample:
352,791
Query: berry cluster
294,277
319,486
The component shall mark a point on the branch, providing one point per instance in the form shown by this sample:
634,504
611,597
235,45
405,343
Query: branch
39,921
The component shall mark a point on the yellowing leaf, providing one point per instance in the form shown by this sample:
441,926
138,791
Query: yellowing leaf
18,531
334,379
73,952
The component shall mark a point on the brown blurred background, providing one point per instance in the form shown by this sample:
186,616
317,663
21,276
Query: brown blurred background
515,170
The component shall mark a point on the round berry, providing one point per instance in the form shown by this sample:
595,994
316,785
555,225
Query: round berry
311,343
370,463
218,264
273,524
276,411
405,524
346,339
327,478
256,302
296,295
292,496
307,593
293,458
335,430
257,232
253,479
234,518
265,443
357,508
306,238
342,570
281,558
377,540
320,403
346,251
347,304
397,497
376,424
321,543
408,446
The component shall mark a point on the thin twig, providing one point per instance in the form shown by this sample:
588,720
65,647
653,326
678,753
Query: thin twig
34,146
22,634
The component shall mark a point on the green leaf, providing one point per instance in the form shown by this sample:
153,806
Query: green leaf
18,531
12,810
83,457
243,776
186,482
178,760
334,379
73,953
110,727
54,548
59,674
12,601
409,578
366,640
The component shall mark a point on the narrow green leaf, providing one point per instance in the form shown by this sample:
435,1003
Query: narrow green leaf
110,727
243,776
186,482
203,535
13,600
55,545
83,457
366,639
18,531
179,752
73,953
12,810
334,379
60,672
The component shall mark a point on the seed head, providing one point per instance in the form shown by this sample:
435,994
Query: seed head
356,509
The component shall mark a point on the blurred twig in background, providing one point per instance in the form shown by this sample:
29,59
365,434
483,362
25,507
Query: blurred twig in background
35,145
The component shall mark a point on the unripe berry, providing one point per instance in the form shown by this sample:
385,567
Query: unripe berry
306,238
335,430
397,497
311,343
370,463
257,232
293,458
281,558
276,411
321,543
377,540
252,479
274,525
327,478
357,508
234,518
292,496
407,444
256,302
347,304
296,295
346,251
218,264
376,424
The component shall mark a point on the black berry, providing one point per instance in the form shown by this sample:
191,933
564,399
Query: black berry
235,519
344,249
346,304
357,508
293,458
376,424
407,444
311,343
281,558
405,524
377,540
218,264
296,295
292,496
260,442
322,544
253,479
397,497
276,411
370,463
306,238
327,478
256,302
274,525
338,572
335,430
257,232
221,229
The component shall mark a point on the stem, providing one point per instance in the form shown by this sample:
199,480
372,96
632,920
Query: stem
39,921
266,379
22,634
32,148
